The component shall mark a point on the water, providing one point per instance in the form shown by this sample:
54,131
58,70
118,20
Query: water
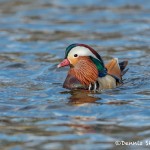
35,111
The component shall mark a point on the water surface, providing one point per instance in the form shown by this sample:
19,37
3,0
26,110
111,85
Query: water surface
35,111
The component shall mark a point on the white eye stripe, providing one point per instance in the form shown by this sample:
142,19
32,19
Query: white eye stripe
81,51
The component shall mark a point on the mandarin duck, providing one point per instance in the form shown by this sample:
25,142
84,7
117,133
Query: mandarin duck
87,70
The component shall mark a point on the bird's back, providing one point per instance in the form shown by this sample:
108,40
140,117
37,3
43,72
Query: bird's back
116,69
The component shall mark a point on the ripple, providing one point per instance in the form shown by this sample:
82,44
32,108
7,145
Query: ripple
36,112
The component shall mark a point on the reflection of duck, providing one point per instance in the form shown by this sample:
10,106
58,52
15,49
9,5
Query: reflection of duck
87,70
79,97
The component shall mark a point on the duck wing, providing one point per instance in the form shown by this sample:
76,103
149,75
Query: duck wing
116,69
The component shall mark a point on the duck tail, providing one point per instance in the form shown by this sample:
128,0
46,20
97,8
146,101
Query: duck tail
116,69
123,66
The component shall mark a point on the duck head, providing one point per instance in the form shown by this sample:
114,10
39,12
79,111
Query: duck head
86,65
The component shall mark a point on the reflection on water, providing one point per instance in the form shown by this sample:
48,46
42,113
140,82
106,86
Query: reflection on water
35,111
82,97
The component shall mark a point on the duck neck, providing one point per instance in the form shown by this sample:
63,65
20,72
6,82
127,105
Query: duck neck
85,71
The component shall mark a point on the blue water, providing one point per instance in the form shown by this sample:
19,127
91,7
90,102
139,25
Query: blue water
35,111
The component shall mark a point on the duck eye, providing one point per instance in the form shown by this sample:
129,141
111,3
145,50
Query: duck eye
75,55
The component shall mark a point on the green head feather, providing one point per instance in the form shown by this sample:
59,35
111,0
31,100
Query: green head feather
100,66
69,48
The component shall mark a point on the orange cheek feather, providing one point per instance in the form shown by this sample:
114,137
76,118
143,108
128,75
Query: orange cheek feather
73,61
84,70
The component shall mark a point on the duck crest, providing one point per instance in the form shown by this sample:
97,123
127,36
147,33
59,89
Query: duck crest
68,49
93,51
